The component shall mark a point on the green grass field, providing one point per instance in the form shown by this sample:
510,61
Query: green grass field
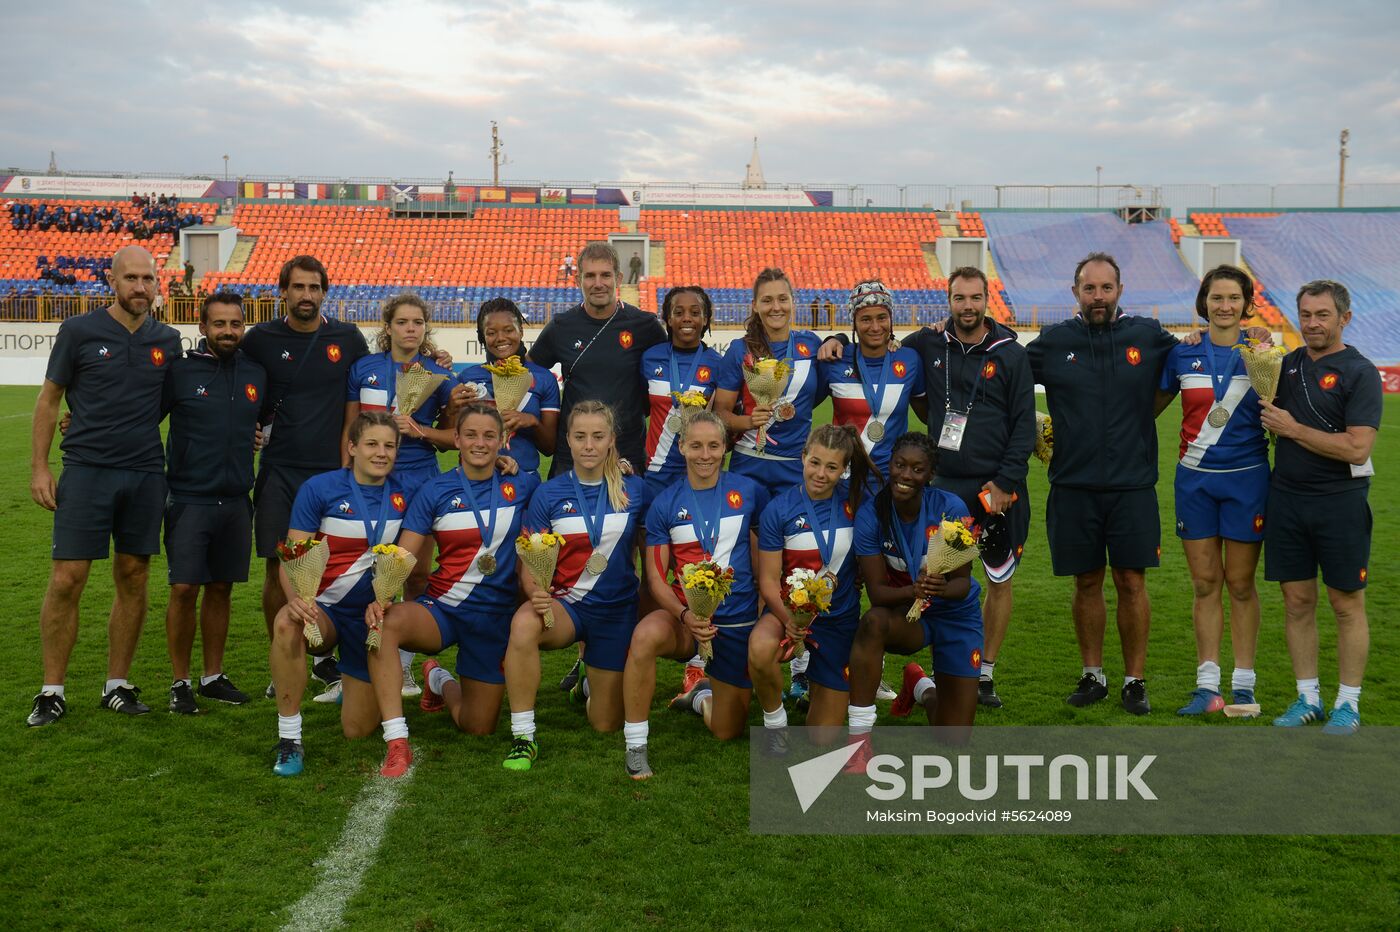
168,822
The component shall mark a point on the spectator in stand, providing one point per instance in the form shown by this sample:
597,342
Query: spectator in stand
189,276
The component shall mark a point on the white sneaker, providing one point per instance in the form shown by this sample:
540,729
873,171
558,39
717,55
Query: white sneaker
410,685
884,693
332,694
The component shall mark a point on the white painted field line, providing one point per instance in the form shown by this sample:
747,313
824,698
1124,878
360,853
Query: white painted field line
343,869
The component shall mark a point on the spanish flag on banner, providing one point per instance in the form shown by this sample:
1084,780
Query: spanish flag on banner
493,194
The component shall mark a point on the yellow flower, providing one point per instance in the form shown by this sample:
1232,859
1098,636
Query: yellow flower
799,597
511,365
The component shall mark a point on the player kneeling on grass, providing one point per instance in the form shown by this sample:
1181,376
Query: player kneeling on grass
474,515
810,527
350,510
892,532
707,517
592,596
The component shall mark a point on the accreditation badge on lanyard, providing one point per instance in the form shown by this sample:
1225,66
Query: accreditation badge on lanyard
954,422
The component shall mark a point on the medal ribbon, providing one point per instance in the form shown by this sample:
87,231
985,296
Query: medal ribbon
824,532
679,384
372,528
707,532
906,545
485,526
872,394
593,523
1215,381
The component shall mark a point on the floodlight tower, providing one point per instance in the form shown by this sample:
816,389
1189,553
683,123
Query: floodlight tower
1342,169
495,155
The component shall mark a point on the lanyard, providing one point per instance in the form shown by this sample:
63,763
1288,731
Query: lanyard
589,345
373,529
823,531
592,523
948,379
1307,396
906,546
486,525
310,344
1215,381
679,384
707,532
873,394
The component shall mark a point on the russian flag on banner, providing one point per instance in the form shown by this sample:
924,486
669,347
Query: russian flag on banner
431,192
282,189
583,196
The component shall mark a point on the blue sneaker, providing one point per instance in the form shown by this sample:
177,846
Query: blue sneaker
799,686
1344,720
290,758
1203,702
1242,697
1299,714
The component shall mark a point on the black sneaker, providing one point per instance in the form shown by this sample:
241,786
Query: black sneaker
224,691
126,700
1134,698
1089,691
48,708
987,694
570,679
182,699
327,671
271,691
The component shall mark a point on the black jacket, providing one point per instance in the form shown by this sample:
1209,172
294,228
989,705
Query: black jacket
214,406
1101,387
994,376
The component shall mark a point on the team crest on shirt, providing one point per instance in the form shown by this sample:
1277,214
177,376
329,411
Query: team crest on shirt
508,491
1258,523
398,501
850,515
157,356
656,372
800,523
1328,381
848,373
899,369
683,514
333,352
989,371
345,509
736,501
568,508
201,392
251,391
372,380
929,531
804,350
624,339
1134,355
457,502
1196,365
702,374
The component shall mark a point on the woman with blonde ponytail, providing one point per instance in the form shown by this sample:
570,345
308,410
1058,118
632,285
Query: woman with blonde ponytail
593,596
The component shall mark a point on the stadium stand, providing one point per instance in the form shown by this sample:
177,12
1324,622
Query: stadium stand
1035,252
1361,250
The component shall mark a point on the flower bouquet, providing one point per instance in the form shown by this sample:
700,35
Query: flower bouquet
806,596
392,566
706,584
539,551
415,386
766,379
950,547
304,562
1263,362
1044,438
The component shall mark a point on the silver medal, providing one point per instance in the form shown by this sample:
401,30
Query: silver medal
1218,416
597,563
673,423
875,430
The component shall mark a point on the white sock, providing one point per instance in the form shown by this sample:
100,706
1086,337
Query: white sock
988,671
922,687
1311,691
799,664
395,728
634,734
405,658
181,683
438,677
698,700
522,724
1350,694
696,661
860,718
113,684
1098,674
1242,678
1129,680
206,680
775,719
317,658
289,726
52,689
1208,676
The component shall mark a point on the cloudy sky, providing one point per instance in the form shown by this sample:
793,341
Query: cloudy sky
608,90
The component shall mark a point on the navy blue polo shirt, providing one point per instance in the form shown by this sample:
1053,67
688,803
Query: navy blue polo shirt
214,406
113,379
306,425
